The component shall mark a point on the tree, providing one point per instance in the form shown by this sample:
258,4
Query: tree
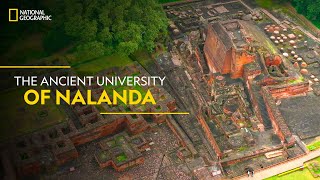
55,40
91,49
121,26
300,5
309,8
314,11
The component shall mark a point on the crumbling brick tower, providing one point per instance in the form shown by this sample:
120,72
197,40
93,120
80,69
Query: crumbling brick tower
227,48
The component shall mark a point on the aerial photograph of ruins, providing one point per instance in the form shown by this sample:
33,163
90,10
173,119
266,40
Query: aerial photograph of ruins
216,89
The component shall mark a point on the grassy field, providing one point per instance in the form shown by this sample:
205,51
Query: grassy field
19,118
24,50
93,66
268,4
143,57
314,146
167,1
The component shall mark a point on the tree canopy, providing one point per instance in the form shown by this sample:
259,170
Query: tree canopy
310,8
107,26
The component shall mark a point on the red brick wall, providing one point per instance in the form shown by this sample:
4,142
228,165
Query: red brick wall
66,156
278,123
254,101
291,90
32,168
249,156
176,133
123,167
241,58
224,60
215,52
95,133
197,55
209,135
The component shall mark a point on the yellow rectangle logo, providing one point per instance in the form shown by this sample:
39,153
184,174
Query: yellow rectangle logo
14,17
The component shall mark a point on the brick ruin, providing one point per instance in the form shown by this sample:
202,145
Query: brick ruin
221,47
227,48
56,145
121,151
242,79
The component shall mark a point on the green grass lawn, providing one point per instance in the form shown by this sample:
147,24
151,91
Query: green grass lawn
167,1
314,146
19,118
27,55
104,156
121,158
143,57
24,50
268,4
93,66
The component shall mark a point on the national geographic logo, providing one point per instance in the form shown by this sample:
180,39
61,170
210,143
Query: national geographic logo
16,15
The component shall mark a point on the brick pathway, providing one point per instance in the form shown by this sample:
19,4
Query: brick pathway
268,172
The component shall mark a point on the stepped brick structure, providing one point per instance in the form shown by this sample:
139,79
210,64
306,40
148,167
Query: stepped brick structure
227,48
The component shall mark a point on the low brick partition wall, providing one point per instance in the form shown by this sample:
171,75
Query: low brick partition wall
279,125
269,94
209,135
